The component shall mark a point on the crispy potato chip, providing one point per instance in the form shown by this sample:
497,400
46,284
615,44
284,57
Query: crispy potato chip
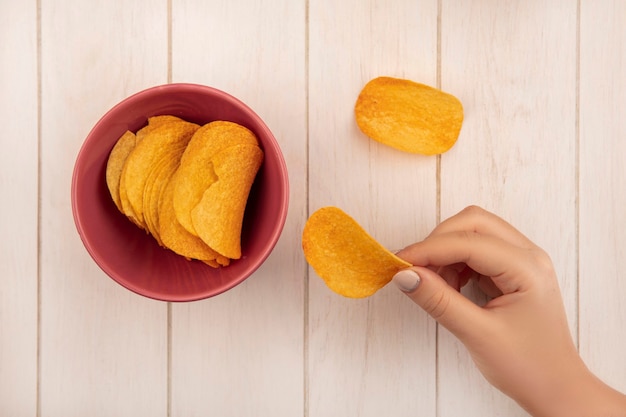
157,179
164,141
126,207
197,172
409,116
154,122
220,164
222,260
219,216
211,263
345,256
176,238
124,202
115,164
156,182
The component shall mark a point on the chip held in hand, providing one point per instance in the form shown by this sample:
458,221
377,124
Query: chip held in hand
409,116
345,256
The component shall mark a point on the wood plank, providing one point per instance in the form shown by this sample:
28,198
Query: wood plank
373,356
292,347
513,65
18,227
602,184
241,353
103,348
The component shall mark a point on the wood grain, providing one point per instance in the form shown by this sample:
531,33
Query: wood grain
513,65
241,353
372,356
544,90
103,349
19,162
602,184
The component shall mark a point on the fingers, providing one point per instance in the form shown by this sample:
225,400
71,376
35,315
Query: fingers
508,265
446,305
487,286
483,241
457,275
478,220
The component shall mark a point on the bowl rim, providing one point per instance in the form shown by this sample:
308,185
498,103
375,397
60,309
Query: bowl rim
273,237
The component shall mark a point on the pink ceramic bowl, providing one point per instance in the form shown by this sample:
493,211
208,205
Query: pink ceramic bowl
133,258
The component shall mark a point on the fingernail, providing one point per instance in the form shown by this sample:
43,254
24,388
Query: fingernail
407,280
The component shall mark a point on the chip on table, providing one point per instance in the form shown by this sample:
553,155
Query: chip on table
409,116
350,261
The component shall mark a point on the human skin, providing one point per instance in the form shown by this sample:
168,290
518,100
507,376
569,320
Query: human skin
520,339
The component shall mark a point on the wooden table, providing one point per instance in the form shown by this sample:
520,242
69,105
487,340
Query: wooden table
543,144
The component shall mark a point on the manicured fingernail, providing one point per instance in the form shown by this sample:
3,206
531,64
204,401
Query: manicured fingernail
407,280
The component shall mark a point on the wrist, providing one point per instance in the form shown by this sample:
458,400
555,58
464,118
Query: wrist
579,393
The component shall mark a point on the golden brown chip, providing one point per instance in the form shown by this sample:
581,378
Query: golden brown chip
222,260
211,263
218,262
163,142
124,202
409,116
155,185
122,148
154,122
345,256
161,173
221,163
175,237
126,207
151,194
218,217
197,172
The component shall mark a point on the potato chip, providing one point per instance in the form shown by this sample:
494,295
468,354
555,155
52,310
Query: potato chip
345,256
197,172
211,263
222,260
115,164
218,262
218,217
409,116
221,160
164,141
154,122
175,237
156,182
126,208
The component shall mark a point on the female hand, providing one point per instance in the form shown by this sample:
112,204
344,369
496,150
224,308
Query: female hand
520,339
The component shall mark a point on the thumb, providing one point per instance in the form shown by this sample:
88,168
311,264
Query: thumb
445,304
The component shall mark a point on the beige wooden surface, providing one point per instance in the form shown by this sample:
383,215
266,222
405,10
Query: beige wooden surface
543,145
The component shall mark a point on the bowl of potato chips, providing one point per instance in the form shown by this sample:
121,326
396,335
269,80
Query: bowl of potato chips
180,192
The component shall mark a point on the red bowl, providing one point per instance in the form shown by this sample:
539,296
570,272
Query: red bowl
129,255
